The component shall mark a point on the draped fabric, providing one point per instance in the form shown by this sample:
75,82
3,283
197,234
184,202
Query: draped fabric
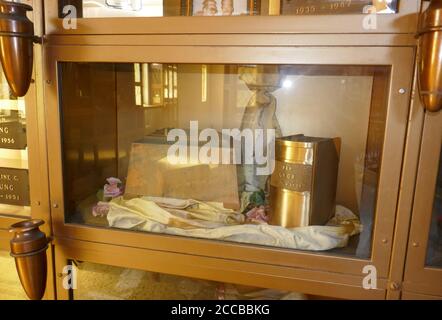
197,219
260,113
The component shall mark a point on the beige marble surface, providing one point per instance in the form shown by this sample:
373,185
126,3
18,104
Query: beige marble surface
10,287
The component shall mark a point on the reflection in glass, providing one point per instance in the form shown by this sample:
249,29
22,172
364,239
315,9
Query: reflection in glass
121,171
434,252
155,84
14,181
102,282
159,8
129,8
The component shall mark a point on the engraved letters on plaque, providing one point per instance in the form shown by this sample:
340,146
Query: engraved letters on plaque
14,187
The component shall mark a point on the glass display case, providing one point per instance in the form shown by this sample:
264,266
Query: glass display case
24,191
227,144
434,250
14,177
166,149
163,8
216,16
122,122
19,146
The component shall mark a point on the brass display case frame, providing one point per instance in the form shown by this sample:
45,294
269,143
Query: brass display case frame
406,195
313,273
420,278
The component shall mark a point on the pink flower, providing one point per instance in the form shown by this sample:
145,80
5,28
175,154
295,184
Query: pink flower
257,215
100,210
113,181
113,189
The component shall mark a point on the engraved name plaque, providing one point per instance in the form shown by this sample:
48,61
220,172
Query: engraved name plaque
324,7
292,176
12,133
14,187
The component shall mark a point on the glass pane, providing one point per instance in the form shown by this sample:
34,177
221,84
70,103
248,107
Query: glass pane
159,8
102,282
259,154
14,180
10,285
434,251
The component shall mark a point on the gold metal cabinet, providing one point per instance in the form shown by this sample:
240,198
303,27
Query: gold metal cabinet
423,273
234,262
307,40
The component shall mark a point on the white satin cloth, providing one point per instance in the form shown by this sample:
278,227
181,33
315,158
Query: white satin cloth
196,219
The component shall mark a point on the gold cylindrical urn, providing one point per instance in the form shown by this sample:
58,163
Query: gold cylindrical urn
303,184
